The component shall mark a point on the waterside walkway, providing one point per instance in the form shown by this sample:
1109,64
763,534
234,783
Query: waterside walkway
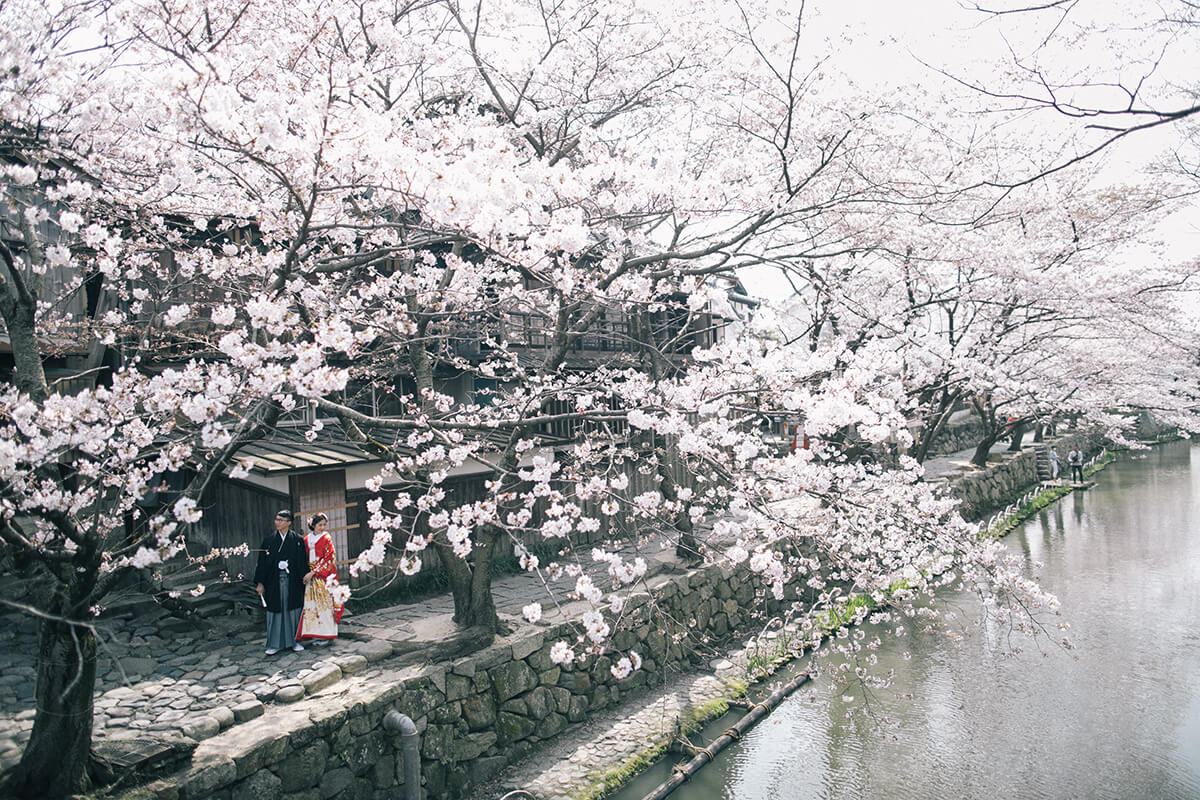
162,681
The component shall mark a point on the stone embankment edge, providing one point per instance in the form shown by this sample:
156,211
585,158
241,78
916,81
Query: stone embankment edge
1006,523
759,667
476,714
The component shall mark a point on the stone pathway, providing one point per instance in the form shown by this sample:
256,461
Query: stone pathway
160,677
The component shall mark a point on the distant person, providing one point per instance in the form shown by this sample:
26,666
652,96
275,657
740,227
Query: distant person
321,615
1053,463
282,564
1075,462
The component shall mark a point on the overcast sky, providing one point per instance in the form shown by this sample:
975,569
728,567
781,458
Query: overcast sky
881,45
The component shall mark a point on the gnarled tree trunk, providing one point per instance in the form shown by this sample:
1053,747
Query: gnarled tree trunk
56,759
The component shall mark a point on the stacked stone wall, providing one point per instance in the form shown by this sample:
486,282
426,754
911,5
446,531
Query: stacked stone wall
957,436
478,714
984,491
475,715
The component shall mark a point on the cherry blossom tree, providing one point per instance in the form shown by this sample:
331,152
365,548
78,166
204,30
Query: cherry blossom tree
444,203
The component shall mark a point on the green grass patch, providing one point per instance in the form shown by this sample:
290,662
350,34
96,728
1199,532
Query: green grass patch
1043,499
832,619
1039,501
1099,464
609,781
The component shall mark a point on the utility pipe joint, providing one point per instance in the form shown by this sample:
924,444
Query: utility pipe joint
410,746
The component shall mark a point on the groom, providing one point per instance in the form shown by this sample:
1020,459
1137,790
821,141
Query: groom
282,562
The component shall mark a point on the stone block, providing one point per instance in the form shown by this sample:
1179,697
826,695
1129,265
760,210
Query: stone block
361,724
464,668
515,706
435,778
598,699
200,728
435,742
526,646
636,601
328,716
512,679
457,687
417,702
206,779
340,741
322,678
602,670
335,781
253,747
552,726
450,712
575,682
304,768
479,711
262,785
481,682
492,657
289,694
562,699
549,677
223,715
364,751
656,643
539,702
472,746
578,709
512,728
361,789
539,660
243,712
375,650
350,664
383,771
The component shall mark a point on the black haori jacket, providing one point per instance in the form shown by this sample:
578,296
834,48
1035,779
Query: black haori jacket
275,549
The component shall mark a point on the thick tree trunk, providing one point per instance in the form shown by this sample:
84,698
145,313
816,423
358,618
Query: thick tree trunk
1018,433
471,584
458,573
686,547
929,432
983,448
481,610
55,761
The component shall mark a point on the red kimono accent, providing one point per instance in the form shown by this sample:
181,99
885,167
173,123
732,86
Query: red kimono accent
321,614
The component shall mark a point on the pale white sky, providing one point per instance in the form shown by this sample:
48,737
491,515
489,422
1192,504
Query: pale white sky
880,44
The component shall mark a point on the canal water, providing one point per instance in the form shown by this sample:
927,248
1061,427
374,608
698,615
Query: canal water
1117,716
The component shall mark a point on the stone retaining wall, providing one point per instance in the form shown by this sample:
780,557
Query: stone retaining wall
957,436
984,491
476,715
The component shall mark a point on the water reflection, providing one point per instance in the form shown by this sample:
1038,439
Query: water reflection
1116,717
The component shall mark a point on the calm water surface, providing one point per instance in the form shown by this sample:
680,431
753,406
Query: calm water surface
1118,716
